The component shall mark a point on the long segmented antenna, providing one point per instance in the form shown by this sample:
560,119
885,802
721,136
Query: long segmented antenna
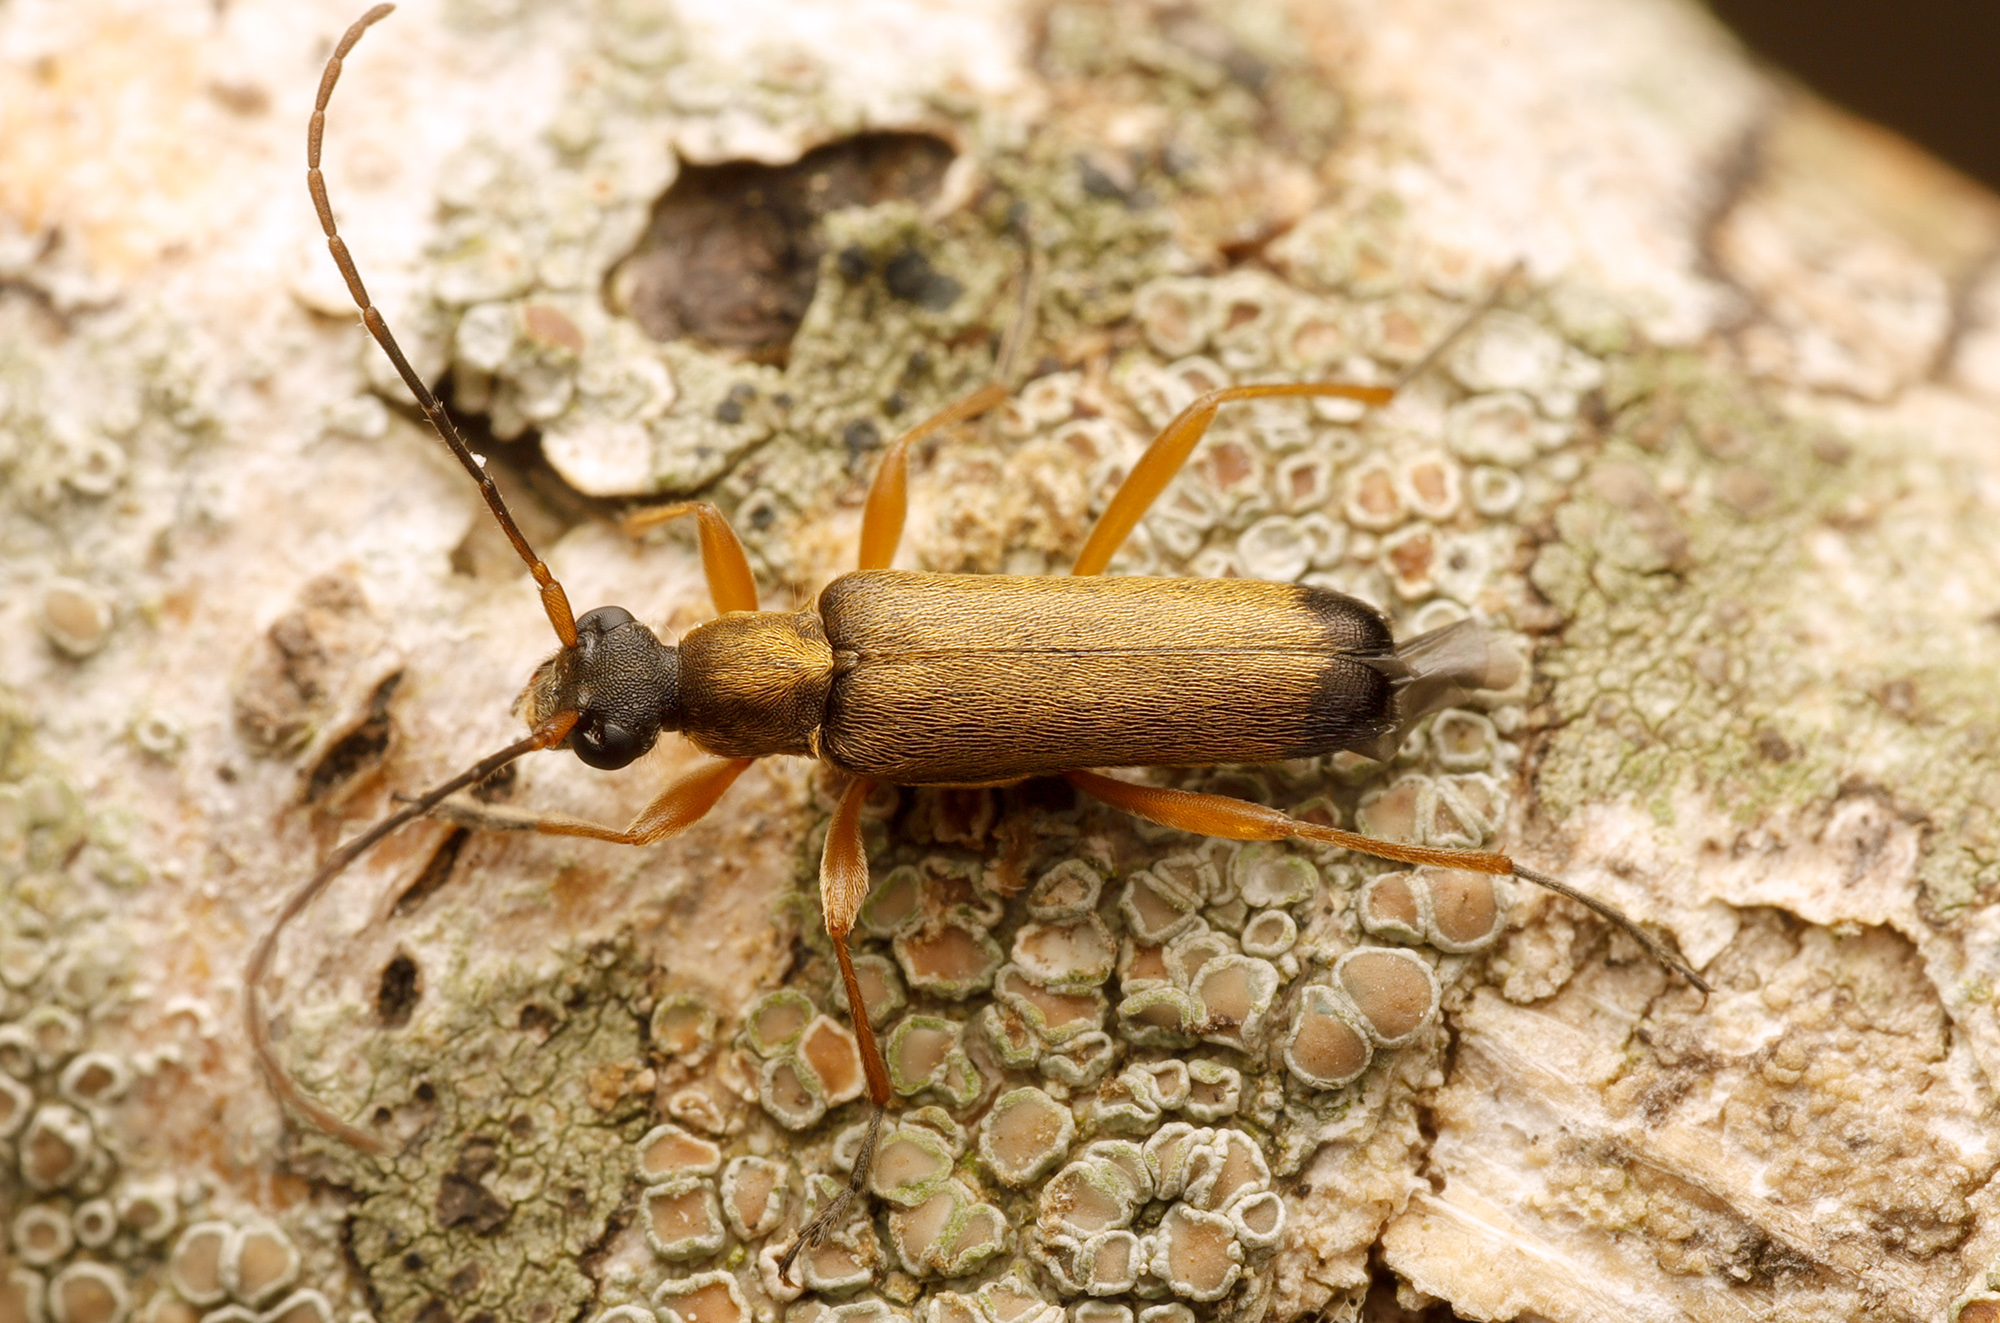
256,1026
554,600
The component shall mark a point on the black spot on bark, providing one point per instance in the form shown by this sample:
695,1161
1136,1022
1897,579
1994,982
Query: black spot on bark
1773,746
1097,181
911,278
396,996
469,1204
854,264
860,435
732,407
358,750
462,1200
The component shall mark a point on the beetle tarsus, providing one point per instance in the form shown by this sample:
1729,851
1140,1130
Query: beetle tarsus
1654,947
836,1209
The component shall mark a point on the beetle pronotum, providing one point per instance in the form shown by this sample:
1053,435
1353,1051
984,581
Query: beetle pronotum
938,679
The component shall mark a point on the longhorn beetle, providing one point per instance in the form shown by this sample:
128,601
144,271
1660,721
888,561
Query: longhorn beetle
948,679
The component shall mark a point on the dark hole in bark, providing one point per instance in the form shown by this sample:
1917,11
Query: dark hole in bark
731,257
462,1200
396,996
358,750
436,872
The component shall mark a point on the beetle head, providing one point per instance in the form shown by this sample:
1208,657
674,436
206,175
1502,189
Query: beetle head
620,680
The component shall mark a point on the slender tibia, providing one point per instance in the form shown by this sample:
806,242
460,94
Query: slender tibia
888,494
843,887
1170,450
682,804
723,561
1239,820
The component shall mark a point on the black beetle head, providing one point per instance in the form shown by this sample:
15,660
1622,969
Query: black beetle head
620,680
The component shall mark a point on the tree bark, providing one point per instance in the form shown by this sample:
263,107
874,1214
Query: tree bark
1724,463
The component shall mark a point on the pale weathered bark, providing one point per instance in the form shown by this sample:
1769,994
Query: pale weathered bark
1727,463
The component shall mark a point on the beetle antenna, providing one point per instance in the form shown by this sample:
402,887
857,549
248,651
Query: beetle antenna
1465,323
554,601
257,1026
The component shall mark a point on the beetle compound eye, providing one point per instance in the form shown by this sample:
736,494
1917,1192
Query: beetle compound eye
607,745
603,620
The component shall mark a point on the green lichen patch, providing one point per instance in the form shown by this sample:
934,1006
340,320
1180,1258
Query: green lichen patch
103,435
65,863
1761,609
105,1215
520,1096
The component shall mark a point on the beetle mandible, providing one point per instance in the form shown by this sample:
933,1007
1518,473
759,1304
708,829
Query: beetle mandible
948,680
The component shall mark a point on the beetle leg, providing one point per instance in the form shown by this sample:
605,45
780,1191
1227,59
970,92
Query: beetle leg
730,582
843,886
673,810
1240,820
1170,450
888,494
